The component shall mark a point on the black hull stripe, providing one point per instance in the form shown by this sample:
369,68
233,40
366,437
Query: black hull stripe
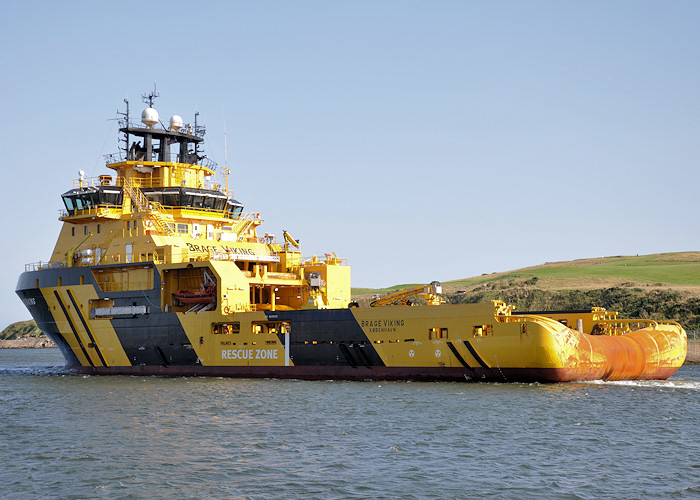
72,327
89,333
458,355
347,355
474,353
361,354
162,356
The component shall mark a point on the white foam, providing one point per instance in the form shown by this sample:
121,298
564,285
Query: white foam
693,385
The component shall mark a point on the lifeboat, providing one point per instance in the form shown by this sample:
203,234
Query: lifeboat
204,296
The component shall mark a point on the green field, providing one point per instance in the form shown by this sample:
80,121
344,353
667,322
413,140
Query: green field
657,270
681,269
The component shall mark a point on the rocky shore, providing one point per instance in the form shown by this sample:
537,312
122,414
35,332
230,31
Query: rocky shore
693,352
27,343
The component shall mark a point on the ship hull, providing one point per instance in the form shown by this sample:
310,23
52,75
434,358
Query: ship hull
138,335
417,373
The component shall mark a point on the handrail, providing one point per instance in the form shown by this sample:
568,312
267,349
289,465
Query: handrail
173,159
100,210
190,129
41,265
246,221
145,205
611,327
327,259
116,211
148,182
622,326
93,182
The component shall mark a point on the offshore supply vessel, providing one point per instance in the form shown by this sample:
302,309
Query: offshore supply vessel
159,271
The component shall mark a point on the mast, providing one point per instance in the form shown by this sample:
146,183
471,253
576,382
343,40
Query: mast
196,127
226,170
151,96
126,127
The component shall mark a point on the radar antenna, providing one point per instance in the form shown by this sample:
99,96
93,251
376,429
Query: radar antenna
151,96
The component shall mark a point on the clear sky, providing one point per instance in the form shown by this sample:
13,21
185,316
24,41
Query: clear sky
421,140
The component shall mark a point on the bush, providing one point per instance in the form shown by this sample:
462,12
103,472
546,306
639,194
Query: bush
629,302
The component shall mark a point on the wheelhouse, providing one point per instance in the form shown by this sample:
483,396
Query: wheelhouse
86,198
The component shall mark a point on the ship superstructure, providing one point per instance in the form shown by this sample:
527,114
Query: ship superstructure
159,270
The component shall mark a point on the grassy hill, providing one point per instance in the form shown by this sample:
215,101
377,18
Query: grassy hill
20,329
676,270
646,286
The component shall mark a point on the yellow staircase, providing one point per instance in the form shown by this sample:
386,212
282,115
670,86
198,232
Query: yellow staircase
245,222
153,208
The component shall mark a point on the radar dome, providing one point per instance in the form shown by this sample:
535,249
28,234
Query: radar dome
149,117
176,122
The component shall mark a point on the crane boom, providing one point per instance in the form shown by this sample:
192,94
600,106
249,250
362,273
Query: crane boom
431,294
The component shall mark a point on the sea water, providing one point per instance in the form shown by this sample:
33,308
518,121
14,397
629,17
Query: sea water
74,436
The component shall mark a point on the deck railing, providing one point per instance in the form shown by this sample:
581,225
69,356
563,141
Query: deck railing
145,182
173,158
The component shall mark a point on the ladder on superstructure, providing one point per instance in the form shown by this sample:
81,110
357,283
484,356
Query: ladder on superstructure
245,222
153,208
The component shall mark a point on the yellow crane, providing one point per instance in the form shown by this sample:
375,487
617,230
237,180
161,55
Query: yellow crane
288,240
431,294
70,254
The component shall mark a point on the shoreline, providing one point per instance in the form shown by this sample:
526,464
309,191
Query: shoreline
28,343
46,343
693,352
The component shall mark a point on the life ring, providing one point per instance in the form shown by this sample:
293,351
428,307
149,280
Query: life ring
149,223
227,310
262,239
116,258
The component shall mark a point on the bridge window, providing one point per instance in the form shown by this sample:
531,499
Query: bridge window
154,196
111,197
171,198
219,203
87,198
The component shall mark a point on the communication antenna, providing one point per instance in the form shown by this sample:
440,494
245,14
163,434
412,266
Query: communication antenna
124,123
151,96
226,170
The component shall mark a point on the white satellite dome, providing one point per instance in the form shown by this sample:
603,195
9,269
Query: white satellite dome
176,122
149,117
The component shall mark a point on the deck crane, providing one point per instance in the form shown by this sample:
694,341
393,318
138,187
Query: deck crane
431,294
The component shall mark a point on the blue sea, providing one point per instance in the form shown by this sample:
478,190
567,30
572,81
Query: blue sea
74,436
